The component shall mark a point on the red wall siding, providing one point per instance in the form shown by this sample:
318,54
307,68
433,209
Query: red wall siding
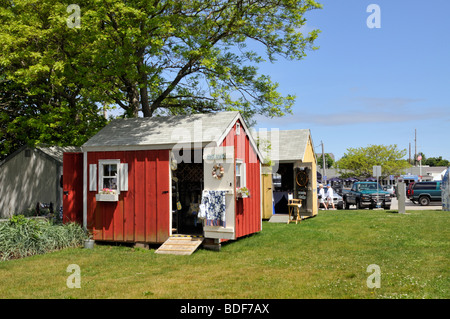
248,210
142,213
73,185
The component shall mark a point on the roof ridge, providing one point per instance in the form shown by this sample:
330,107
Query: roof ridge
163,130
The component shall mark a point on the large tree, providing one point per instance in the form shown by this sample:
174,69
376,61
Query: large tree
43,118
359,162
157,56
39,102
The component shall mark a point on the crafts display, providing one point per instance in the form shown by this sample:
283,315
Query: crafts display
213,208
302,178
218,167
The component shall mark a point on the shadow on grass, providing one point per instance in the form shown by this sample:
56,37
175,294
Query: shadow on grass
392,212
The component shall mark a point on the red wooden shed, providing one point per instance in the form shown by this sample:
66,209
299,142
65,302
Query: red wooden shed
146,179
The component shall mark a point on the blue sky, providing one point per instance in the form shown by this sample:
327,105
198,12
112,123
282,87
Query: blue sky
372,86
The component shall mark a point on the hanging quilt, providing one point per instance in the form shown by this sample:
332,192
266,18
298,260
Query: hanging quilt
212,208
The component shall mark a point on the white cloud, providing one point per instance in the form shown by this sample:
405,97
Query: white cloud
349,117
383,102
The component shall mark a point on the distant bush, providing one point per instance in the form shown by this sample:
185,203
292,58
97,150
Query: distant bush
21,237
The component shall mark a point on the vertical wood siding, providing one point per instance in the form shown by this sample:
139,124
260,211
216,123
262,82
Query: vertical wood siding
73,185
248,210
142,213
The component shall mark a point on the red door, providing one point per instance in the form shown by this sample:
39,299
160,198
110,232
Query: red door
73,187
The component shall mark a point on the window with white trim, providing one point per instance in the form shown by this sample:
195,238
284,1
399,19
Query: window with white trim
108,176
112,177
240,174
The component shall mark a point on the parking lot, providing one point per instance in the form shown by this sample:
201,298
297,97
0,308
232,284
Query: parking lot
411,206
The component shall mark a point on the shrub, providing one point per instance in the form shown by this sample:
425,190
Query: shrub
21,237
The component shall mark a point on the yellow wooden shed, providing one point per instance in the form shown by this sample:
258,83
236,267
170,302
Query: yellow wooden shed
290,169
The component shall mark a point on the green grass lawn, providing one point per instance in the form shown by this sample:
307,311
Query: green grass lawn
323,257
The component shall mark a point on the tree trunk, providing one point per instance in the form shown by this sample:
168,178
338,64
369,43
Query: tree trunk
133,102
143,91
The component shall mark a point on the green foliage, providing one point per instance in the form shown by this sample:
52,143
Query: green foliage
39,101
329,161
163,57
31,121
436,161
265,147
360,161
21,237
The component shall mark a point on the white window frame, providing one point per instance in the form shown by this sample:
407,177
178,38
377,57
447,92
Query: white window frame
100,173
238,128
242,175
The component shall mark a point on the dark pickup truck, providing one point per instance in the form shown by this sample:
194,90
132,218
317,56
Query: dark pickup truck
364,195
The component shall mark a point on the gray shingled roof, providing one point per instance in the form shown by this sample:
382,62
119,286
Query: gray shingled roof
53,152
164,131
56,152
286,145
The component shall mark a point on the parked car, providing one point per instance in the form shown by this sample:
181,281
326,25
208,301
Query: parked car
425,192
409,189
390,189
364,194
337,199
338,188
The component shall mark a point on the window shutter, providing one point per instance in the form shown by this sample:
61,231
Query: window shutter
93,177
244,175
123,177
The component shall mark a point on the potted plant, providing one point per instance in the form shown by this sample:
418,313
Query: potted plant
242,192
107,195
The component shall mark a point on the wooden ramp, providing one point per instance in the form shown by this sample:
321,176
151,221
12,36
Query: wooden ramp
180,245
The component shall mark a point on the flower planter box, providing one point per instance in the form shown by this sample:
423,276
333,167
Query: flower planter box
242,192
107,197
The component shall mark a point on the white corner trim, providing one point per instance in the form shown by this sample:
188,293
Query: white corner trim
85,187
260,196
170,202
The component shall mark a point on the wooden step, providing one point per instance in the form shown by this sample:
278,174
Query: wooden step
279,218
180,245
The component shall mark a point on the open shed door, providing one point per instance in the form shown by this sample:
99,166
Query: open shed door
217,157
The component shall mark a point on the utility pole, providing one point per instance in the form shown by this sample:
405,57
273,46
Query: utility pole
409,153
323,163
415,147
